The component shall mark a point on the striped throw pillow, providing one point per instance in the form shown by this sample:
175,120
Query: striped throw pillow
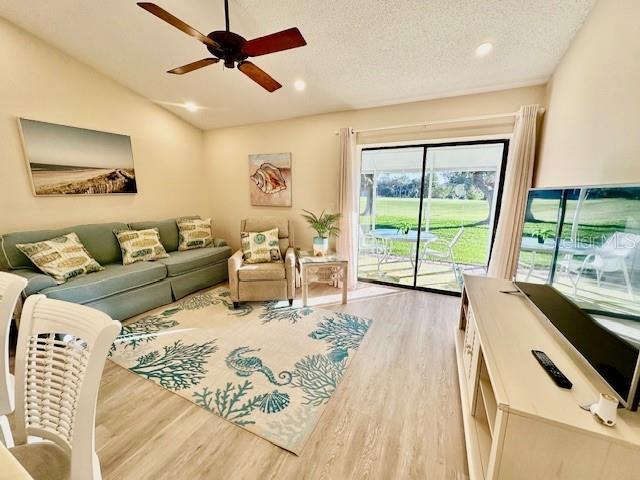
194,233
140,245
62,257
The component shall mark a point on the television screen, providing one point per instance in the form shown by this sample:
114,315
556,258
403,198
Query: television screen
614,358
585,243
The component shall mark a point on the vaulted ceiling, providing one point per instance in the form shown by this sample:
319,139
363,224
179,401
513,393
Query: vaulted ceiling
360,53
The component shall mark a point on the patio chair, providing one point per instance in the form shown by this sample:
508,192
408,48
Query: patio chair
613,256
368,244
444,253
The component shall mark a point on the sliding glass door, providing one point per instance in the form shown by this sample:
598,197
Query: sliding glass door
427,212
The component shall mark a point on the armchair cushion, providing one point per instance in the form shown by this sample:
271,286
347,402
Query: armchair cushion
260,224
262,271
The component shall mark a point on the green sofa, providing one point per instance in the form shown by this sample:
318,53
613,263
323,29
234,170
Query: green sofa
121,291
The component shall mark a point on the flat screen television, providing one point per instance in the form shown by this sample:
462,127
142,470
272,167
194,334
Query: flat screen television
615,359
581,246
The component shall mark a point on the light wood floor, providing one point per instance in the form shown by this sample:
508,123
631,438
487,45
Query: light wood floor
395,415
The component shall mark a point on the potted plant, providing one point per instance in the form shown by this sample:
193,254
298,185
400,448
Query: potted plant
325,225
403,227
542,234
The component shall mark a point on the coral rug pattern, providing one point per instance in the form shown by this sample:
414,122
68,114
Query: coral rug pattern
265,367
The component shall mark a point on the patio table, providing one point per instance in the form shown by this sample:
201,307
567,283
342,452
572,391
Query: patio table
387,235
566,247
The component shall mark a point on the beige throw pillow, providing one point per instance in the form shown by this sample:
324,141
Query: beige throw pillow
140,245
62,257
260,247
194,233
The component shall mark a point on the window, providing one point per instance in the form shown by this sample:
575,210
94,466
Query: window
428,212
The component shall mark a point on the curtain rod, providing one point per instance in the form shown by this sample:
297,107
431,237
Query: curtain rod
439,122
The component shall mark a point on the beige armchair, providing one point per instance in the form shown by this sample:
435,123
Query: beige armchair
264,281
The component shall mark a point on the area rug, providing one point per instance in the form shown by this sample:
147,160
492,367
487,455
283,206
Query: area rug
266,367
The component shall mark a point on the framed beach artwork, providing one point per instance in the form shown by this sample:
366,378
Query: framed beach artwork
65,160
270,179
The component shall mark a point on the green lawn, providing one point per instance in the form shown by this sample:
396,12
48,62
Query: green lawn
447,216
597,222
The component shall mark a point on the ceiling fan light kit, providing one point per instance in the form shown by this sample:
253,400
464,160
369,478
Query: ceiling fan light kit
232,49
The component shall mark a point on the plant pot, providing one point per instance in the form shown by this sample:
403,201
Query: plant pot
540,240
320,246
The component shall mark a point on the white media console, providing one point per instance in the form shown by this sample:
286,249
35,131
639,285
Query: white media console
518,424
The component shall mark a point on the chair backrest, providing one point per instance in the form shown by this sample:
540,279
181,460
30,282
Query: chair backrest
11,286
60,356
620,244
456,237
284,226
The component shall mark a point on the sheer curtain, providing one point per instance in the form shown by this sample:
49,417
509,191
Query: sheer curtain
347,242
517,181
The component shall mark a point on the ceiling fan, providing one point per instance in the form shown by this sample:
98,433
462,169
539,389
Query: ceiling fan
232,48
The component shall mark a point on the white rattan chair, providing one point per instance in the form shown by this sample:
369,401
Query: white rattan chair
62,348
11,286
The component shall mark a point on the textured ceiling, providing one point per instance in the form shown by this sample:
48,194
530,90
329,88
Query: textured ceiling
360,53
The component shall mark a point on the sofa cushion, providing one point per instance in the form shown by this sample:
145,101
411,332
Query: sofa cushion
35,281
113,279
261,271
168,231
189,260
98,239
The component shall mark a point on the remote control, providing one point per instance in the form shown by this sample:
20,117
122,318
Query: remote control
556,375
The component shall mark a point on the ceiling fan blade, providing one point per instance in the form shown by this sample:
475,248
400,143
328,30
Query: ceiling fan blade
276,42
190,67
176,22
259,76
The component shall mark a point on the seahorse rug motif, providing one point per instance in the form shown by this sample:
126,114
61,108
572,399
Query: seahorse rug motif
266,367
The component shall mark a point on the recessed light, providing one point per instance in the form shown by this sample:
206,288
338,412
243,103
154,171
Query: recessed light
484,49
299,85
191,106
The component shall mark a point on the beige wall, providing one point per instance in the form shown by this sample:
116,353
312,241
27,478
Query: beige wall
592,127
42,83
314,148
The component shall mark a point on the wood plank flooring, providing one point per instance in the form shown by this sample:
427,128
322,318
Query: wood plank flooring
395,415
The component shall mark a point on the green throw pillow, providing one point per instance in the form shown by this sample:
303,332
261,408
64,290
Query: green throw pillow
194,233
62,257
140,245
260,247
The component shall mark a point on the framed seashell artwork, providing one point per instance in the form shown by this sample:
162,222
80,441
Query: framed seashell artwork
270,179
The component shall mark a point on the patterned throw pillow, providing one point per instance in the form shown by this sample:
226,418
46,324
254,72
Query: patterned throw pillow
62,257
194,233
260,247
140,245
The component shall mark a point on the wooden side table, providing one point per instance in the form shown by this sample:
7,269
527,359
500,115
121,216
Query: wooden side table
307,261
